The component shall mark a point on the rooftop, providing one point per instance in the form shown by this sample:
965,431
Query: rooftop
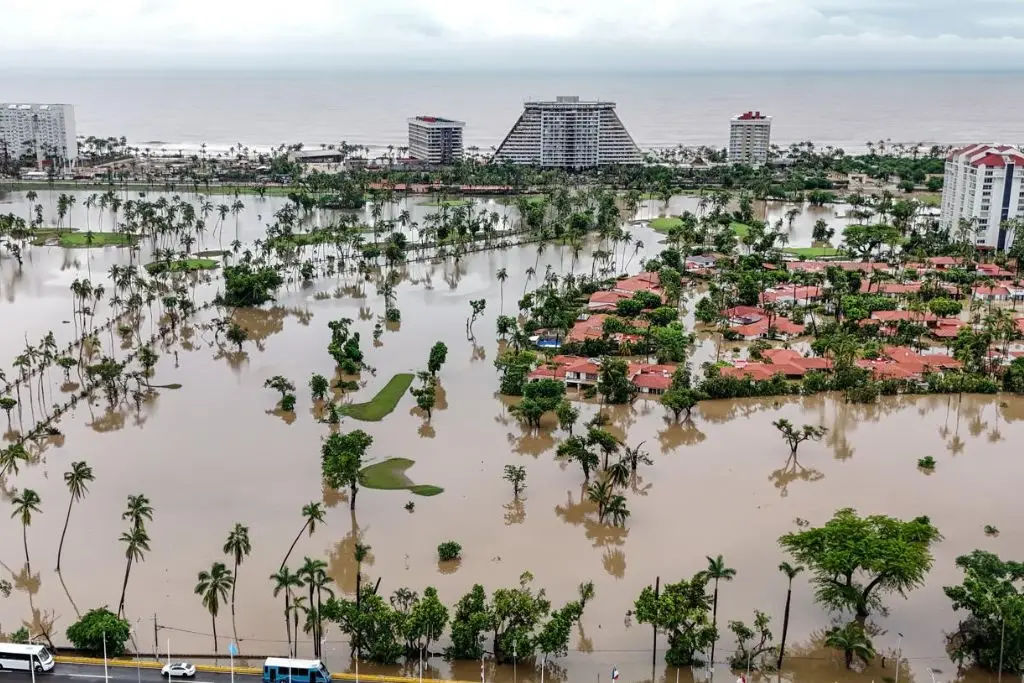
751,116
984,154
436,120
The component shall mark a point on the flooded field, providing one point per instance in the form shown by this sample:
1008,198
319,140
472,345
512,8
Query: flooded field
214,453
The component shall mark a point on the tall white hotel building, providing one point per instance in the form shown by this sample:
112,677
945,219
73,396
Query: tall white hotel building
568,133
750,136
39,129
983,183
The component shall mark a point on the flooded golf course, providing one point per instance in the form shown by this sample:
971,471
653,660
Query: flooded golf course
215,452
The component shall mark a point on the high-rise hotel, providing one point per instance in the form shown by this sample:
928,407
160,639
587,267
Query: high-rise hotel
983,185
750,136
568,133
435,140
42,130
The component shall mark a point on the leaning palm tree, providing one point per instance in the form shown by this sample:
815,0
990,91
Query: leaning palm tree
284,580
852,640
26,503
313,514
213,587
790,571
718,572
77,480
138,511
238,547
136,542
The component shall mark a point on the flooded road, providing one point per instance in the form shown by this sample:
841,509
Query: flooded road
213,453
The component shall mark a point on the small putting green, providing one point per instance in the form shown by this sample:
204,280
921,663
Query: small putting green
450,203
389,475
383,403
74,239
181,266
741,229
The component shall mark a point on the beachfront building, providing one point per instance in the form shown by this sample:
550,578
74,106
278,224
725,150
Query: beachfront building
750,136
982,189
435,140
568,133
44,131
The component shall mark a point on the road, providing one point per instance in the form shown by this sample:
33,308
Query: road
87,673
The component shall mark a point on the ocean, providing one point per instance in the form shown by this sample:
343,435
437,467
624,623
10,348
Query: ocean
183,109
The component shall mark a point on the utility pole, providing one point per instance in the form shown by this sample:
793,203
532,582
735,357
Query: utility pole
156,639
654,646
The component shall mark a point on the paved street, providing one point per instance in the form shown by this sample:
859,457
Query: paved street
83,673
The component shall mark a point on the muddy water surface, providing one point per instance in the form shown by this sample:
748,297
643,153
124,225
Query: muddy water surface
214,453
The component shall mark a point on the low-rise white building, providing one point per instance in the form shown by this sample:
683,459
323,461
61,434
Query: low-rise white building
982,190
46,131
435,140
750,137
568,133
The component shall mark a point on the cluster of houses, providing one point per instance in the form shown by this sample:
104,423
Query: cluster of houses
895,362
578,372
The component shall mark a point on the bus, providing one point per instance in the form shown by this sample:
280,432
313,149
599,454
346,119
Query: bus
17,657
278,669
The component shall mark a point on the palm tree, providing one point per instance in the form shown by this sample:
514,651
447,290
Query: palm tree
600,493
10,457
718,572
313,514
313,573
616,510
852,640
138,511
502,275
238,547
77,480
285,580
213,587
25,504
360,553
136,542
790,571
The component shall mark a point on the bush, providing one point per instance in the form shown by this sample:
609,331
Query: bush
88,632
449,550
926,463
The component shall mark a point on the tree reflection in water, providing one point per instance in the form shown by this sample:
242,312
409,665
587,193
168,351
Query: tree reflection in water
790,472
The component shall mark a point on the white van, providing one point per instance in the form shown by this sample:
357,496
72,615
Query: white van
15,657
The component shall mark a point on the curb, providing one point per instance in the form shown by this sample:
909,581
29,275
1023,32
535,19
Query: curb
239,670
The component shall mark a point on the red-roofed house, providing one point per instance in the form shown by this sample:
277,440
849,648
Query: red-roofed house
751,323
758,372
605,301
791,294
993,293
589,327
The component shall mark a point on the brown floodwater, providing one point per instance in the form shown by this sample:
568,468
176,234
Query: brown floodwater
215,452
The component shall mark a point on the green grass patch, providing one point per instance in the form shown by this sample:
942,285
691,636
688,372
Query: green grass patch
741,229
513,199
212,253
812,252
665,223
188,265
75,239
383,403
451,203
389,475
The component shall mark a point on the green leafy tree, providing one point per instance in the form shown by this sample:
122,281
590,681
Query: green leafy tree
248,285
212,587
426,395
448,551
605,442
342,461
238,546
11,458
318,387
567,415
791,572
280,384
236,334
469,625
856,560
754,655
77,480
613,381
7,404
681,611
25,505
100,630
312,514
991,634
438,355
853,642
717,571
477,307
515,475
794,437
575,450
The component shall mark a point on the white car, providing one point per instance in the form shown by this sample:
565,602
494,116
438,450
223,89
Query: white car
178,670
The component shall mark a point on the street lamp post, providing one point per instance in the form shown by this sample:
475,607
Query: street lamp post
899,655
106,673
1002,640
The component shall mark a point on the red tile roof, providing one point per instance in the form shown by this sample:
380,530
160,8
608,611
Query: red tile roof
652,381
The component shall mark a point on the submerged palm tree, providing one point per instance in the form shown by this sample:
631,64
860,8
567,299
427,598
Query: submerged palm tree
717,571
139,511
26,503
136,542
313,514
238,547
285,580
314,574
77,480
852,640
213,587
790,571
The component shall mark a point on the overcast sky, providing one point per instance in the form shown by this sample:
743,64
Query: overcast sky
702,35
